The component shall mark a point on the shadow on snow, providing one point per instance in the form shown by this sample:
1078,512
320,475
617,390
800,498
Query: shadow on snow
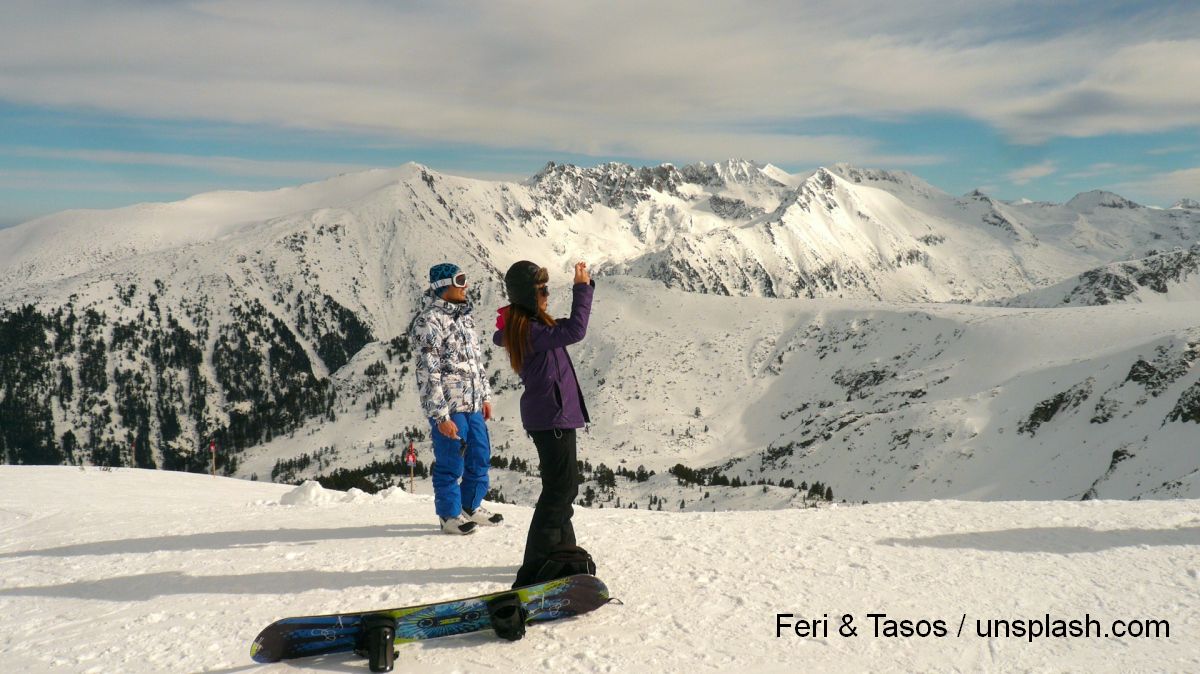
1056,540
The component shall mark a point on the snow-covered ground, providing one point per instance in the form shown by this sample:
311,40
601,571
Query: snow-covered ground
153,571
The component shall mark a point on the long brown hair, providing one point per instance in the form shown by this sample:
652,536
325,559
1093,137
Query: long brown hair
516,333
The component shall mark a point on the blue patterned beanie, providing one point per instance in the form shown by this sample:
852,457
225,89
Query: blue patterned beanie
441,276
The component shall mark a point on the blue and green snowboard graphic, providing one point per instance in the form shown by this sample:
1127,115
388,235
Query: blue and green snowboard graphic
343,633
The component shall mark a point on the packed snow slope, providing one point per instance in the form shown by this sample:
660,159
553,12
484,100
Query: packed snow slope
150,571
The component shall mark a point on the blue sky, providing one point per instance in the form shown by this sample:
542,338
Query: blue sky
108,104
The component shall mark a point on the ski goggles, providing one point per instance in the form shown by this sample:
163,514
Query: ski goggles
459,280
542,290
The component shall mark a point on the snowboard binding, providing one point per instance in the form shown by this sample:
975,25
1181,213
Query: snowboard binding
377,643
508,616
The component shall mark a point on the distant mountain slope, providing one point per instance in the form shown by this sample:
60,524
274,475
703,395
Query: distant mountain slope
1170,276
878,401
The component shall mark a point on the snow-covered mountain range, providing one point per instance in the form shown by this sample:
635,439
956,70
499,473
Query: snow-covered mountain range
751,326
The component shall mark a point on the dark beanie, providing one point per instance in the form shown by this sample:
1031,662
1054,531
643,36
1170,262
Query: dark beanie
521,281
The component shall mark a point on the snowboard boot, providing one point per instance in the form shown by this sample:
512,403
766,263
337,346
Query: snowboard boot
508,616
458,524
483,516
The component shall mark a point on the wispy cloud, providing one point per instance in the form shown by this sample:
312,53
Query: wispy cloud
1102,169
1172,149
1025,174
90,182
666,79
1164,188
227,166
1130,88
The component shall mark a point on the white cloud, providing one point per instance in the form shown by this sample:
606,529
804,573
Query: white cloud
1172,149
651,80
1100,169
1025,174
30,193
493,176
90,182
226,166
1164,188
1135,88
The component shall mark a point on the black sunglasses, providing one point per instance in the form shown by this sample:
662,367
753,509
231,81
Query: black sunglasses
543,291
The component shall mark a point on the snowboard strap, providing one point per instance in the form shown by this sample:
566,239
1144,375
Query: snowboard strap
508,616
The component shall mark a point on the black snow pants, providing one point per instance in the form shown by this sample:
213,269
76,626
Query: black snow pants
551,524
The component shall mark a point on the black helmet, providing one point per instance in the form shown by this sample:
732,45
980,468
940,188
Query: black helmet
521,280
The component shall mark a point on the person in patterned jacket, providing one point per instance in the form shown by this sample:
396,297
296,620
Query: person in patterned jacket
457,399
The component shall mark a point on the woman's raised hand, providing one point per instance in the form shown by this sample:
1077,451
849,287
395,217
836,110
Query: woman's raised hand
581,273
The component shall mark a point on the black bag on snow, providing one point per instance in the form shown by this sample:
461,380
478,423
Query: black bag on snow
563,560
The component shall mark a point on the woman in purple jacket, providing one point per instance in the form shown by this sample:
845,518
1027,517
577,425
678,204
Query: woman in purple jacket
552,406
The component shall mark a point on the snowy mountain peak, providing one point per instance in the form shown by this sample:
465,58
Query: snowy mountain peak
900,183
572,189
73,242
612,175
1187,205
736,189
817,188
779,175
1086,202
821,192
732,172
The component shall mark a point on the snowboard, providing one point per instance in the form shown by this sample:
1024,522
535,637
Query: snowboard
345,632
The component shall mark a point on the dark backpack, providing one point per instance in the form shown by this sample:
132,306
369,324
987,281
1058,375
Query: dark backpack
563,560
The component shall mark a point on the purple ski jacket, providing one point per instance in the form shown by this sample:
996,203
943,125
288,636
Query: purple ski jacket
552,397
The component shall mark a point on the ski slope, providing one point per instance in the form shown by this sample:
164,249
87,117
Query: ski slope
151,571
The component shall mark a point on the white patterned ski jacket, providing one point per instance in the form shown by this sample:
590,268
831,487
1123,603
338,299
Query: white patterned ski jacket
450,373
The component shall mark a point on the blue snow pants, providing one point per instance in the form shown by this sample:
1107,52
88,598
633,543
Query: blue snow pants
455,460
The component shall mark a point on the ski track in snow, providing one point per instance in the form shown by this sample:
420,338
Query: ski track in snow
145,571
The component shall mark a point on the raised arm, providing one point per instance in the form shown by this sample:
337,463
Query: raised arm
568,330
